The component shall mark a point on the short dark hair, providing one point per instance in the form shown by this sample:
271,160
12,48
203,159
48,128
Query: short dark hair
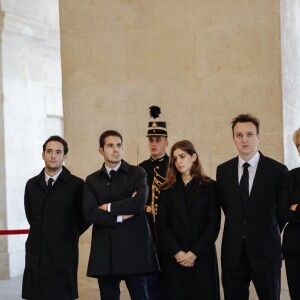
56,138
243,118
107,133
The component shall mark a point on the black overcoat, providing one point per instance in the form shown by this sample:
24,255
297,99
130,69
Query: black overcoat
56,222
258,224
119,248
190,224
291,235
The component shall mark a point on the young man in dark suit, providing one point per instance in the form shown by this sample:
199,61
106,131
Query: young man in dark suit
114,202
53,206
250,190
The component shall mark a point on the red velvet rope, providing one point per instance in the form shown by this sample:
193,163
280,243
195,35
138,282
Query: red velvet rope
17,231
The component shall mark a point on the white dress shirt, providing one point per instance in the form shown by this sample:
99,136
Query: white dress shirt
253,162
47,177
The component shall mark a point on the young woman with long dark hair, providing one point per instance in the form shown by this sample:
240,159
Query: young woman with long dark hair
188,226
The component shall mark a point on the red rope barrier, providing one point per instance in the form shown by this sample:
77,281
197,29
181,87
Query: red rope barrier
17,231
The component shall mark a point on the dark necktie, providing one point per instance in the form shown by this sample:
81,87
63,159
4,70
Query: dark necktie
112,174
50,184
244,183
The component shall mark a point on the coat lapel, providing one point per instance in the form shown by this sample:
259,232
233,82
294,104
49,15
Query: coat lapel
180,206
257,184
294,186
41,181
233,181
194,194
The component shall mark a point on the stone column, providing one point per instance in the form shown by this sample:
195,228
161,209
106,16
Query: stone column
290,43
30,110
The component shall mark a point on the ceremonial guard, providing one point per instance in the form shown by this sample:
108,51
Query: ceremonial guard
156,169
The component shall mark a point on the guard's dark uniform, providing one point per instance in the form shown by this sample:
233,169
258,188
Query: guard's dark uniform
156,170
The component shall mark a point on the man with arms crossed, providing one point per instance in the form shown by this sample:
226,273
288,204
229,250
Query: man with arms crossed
114,201
250,188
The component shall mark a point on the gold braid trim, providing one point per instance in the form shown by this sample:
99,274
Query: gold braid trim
158,180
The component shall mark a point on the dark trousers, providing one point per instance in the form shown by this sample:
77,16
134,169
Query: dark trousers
236,283
109,286
153,285
292,265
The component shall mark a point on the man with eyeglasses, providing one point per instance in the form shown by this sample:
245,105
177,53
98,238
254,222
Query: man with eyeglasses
122,247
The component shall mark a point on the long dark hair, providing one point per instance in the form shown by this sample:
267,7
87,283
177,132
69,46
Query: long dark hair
196,172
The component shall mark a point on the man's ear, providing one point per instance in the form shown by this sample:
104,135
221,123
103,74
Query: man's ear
100,150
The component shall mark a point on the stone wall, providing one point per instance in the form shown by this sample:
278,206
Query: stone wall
202,62
31,110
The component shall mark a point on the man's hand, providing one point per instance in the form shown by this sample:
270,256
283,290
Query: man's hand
103,207
293,207
126,217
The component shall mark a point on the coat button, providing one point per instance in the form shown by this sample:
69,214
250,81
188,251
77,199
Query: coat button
108,183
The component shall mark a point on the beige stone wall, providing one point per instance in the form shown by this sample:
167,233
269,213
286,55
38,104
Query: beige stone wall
201,61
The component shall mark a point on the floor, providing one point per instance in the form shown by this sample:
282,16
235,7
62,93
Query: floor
11,290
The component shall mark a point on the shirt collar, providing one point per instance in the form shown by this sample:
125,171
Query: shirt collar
252,162
53,177
115,169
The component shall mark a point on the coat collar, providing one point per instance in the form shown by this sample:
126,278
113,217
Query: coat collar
64,177
124,167
160,160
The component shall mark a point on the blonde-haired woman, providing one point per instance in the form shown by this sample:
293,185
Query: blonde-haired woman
291,235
